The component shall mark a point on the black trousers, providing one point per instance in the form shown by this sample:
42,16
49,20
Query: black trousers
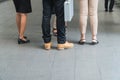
47,12
110,5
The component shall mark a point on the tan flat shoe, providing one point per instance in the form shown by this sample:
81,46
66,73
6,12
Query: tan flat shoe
66,45
48,46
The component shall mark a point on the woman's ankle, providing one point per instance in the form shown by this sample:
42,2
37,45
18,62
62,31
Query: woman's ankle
82,36
94,37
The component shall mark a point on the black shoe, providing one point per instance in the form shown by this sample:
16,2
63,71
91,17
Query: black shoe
110,10
82,41
20,41
94,42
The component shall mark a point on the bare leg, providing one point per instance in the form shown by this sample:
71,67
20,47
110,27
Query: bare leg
22,25
93,6
83,25
94,27
21,20
83,17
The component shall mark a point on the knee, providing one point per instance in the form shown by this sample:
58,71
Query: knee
92,12
83,13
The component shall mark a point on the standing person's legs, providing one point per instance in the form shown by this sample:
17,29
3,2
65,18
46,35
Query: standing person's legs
111,5
106,5
47,11
21,20
23,7
46,20
83,19
93,8
22,24
61,38
59,8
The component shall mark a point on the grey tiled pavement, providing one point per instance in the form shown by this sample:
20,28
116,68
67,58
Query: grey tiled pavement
83,62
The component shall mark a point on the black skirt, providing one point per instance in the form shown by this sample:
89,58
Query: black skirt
23,6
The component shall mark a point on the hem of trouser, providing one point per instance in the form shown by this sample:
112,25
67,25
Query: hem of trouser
61,42
47,40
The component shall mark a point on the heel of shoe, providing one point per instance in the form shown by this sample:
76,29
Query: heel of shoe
94,42
20,41
82,42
